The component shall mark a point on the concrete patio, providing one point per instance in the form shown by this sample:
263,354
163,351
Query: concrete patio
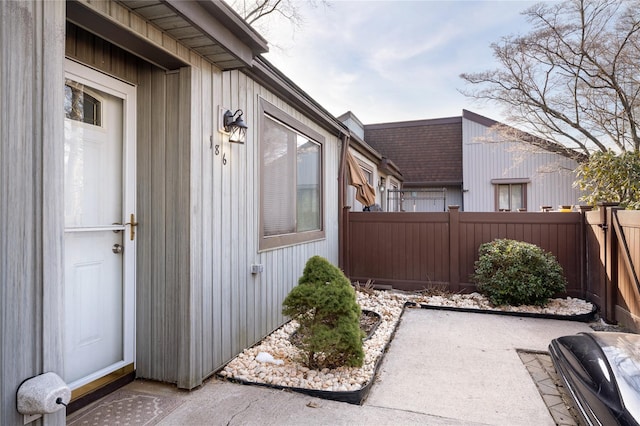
442,368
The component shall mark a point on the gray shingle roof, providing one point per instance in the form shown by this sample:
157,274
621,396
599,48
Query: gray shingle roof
428,152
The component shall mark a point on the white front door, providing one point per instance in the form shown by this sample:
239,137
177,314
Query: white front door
99,200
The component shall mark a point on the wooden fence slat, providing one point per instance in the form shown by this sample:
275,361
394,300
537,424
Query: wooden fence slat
435,248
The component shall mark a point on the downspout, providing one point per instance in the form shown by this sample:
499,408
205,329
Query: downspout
342,241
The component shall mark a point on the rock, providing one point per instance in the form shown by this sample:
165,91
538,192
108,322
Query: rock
389,305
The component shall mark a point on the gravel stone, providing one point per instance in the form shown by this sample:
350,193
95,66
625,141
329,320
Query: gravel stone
389,305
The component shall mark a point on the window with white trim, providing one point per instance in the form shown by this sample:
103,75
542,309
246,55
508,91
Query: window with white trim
368,174
291,180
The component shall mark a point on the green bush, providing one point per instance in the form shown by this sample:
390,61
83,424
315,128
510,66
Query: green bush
512,272
611,177
324,304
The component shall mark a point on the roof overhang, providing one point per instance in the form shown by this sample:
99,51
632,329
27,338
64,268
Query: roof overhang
210,28
221,31
266,74
95,21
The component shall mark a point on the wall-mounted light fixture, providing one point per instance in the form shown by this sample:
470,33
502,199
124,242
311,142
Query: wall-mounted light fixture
233,124
381,184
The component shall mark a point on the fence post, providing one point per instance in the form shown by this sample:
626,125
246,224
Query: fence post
610,261
583,250
345,246
454,248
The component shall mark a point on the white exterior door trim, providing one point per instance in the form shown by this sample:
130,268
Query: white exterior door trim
90,77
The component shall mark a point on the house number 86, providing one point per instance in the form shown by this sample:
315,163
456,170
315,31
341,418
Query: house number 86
224,155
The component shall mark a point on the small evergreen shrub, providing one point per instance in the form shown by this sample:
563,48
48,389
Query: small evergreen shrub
324,304
515,273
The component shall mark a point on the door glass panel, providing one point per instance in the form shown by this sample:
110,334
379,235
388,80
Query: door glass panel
92,157
80,105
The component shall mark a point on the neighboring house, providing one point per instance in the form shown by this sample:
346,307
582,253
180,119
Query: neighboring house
512,176
135,238
461,161
429,154
379,172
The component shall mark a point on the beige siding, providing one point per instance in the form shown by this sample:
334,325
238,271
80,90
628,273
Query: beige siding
198,305
31,209
551,175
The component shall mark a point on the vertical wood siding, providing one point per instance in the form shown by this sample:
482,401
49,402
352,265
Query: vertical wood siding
31,209
97,53
240,308
551,174
198,305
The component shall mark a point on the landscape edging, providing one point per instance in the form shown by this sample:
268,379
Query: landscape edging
351,397
588,317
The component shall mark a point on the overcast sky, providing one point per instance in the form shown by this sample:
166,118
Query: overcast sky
393,60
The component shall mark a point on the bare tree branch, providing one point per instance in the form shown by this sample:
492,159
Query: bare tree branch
574,79
258,11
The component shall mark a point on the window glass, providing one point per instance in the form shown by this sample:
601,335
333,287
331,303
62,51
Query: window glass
279,178
510,197
368,174
81,106
516,197
308,191
292,190
503,197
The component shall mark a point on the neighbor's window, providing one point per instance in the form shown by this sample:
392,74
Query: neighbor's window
291,195
511,195
368,174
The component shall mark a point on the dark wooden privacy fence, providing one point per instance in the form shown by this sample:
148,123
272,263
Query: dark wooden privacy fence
414,251
612,262
599,251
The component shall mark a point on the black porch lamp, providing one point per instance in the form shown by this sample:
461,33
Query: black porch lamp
235,126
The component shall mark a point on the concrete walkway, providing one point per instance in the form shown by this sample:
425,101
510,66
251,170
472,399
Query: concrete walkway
465,366
442,368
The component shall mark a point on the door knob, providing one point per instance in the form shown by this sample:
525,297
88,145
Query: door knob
117,248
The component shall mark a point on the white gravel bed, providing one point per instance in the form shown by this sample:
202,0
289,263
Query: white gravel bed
290,373
568,306
274,360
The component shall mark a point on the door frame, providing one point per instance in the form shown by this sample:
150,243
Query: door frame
127,92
